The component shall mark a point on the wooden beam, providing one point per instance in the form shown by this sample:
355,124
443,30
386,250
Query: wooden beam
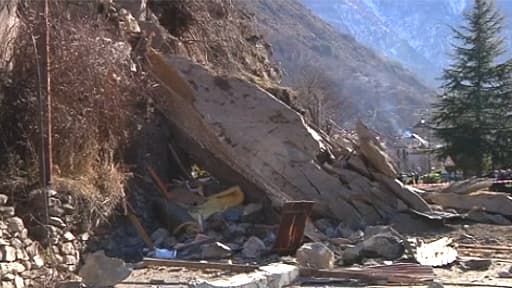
237,268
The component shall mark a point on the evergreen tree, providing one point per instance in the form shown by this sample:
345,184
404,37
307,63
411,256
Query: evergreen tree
473,112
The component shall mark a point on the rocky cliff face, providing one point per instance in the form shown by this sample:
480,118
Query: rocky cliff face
415,33
383,93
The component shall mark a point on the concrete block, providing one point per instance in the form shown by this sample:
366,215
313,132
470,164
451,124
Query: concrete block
275,275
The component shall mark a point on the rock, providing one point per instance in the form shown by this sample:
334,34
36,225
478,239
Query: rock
159,236
21,254
68,236
16,243
68,208
488,218
57,222
18,282
8,277
8,284
69,260
476,264
32,249
8,253
352,255
386,246
233,214
373,151
56,211
4,242
67,248
253,247
215,251
6,211
492,202
13,267
24,234
3,199
27,265
84,237
102,271
315,255
15,225
37,261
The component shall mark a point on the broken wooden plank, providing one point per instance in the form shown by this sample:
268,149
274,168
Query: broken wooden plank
484,247
403,274
294,216
159,183
138,227
237,268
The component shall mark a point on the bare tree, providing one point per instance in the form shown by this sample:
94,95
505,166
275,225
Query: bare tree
322,97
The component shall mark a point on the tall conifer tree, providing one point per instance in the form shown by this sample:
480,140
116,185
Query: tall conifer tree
473,112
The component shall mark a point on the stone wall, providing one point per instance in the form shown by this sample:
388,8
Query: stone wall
25,262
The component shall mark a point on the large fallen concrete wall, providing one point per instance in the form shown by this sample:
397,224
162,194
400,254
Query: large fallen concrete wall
266,143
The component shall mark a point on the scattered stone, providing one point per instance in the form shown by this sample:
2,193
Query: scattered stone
15,225
56,211
8,277
27,265
8,253
315,255
24,234
476,264
16,243
58,222
159,236
215,251
352,255
37,261
67,248
3,199
253,247
3,242
21,254
484,217
13,267
84,237
8,284
102,271
68,236
18,282
384,246
32,249
6,211
69,260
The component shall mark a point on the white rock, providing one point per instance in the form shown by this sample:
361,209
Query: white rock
102,271
68,236
8,253
13,267
18,282
315,255
37,261
21,254
3,199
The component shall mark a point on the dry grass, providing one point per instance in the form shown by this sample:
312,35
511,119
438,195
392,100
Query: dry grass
97,95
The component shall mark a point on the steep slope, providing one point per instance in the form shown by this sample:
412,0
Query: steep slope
416,33
384,93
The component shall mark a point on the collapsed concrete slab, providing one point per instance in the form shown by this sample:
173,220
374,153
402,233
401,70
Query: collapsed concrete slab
245,135
494,202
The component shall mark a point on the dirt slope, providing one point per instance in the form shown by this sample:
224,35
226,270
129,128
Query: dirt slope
384,93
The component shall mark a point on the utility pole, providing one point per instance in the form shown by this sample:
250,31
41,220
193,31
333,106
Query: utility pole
45,111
